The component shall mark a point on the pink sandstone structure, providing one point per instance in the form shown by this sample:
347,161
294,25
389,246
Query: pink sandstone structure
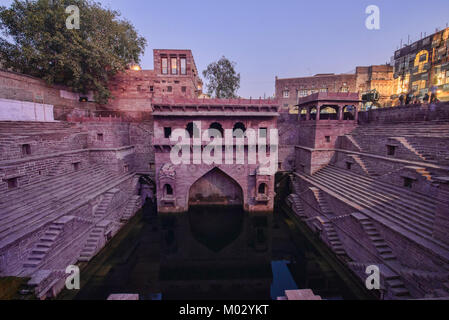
201,184
373,186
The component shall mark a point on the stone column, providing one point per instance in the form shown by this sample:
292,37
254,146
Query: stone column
308,113
340,112
318,110
356,115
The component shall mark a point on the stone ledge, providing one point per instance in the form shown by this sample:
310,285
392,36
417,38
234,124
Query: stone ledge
59,154
370,155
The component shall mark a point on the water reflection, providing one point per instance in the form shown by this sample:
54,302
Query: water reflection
216,253
209,253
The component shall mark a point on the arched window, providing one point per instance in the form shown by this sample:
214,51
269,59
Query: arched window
263,188
328,113
193,130
168,190
239,129
218,127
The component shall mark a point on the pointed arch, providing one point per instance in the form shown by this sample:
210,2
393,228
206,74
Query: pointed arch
216,188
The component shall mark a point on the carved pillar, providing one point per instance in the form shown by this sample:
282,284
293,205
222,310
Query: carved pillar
308,108
318,111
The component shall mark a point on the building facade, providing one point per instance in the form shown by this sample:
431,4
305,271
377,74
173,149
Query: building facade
289,91
174,75
379,78
422,65
364,80
224,181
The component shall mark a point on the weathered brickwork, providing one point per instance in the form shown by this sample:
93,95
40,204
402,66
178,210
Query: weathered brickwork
20,87
133,90
380,189
175,181
63,188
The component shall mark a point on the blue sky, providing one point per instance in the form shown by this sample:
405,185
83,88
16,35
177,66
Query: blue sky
285,38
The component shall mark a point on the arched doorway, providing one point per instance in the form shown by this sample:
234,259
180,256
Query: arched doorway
216,212
216,188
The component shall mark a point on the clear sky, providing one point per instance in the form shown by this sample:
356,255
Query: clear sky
284,38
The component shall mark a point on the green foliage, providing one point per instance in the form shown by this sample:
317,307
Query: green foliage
37,42
222,79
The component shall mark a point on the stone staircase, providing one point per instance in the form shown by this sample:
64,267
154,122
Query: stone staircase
365,167
432,152
385,252
25,210
412,149
322,203
354,142
46,243
92,245
423,172
296,205
334,240
389,279
393,206
134,204
438,129
27,127
105,203
295,184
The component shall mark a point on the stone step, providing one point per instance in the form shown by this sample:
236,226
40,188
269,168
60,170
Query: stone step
383,251
397,283
366,208
19,191
388,189
375,191
368,201
388,256
52,189
61,197
36,257
380,198
36,220
48,238
400,292
53,184
40,250
44,245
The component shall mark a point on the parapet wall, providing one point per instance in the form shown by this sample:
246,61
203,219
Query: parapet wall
425,112
20,87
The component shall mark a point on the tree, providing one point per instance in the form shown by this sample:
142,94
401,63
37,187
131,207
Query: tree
37,42
222,80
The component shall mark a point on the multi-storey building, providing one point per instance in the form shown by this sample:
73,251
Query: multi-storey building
365,79
289,91
422,65
174,75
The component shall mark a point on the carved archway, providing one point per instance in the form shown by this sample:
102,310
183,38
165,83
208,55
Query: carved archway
216,188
